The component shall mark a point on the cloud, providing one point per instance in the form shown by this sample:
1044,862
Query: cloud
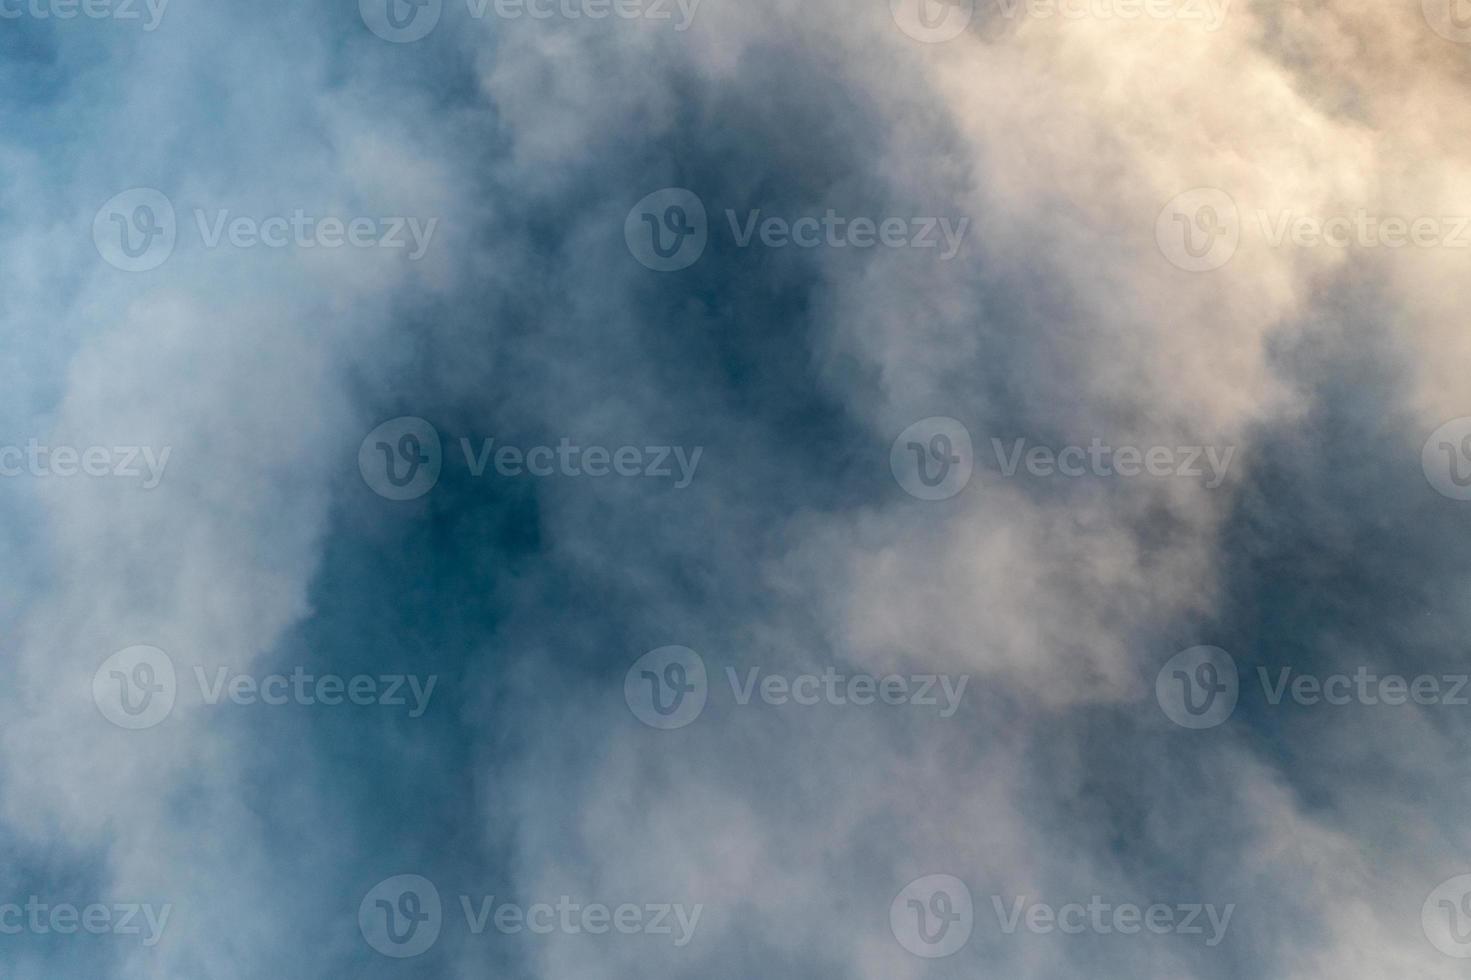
1062,318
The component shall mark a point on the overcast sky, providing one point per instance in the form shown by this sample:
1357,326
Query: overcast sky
639,488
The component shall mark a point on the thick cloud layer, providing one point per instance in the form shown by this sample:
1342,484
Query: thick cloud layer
1303,518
